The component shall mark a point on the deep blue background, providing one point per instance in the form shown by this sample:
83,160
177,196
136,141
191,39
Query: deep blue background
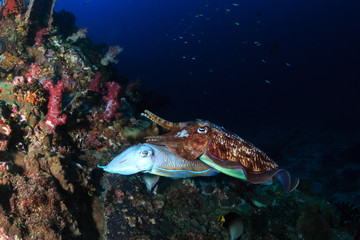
226,82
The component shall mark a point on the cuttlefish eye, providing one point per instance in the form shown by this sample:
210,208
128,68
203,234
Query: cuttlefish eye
145,153
202,130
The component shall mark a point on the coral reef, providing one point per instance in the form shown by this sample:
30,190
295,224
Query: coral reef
52,134
63,111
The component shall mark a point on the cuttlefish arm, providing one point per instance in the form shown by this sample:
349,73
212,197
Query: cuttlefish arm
157,160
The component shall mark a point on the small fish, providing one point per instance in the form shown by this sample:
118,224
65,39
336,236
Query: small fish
233,223
235,4
263,60
267,81
258,44
288,64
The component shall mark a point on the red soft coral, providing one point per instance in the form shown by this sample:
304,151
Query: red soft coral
53,117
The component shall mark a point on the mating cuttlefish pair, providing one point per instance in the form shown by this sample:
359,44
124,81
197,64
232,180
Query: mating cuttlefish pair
198,148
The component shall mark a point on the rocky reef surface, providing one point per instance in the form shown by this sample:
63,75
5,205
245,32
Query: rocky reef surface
64,110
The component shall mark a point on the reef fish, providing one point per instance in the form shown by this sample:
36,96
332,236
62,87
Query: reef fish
220,149
156,160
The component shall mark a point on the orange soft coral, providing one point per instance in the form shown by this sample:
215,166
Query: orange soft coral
13,7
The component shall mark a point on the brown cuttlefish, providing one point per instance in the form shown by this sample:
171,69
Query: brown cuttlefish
220,149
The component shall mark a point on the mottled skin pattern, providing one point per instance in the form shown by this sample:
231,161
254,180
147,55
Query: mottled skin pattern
214,140
219,148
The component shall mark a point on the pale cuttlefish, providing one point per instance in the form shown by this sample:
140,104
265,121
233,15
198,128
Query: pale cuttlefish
156,161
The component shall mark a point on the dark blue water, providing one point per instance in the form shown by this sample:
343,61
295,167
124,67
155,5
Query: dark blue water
204,55
263,69
236,62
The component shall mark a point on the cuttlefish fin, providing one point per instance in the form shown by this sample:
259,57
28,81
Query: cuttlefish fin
236,170
287,183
